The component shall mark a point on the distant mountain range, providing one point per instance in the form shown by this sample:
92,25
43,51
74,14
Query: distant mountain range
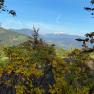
24,31
59,39
63,40
17,36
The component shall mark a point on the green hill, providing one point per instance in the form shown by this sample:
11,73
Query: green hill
8,37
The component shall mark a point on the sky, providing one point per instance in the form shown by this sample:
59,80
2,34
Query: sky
51,16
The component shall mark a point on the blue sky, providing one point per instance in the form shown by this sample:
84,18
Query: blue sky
51,16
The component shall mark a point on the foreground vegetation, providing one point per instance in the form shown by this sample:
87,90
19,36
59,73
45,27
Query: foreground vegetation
34,67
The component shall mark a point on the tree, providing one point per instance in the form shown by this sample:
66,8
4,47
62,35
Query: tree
90,40
84,42
90,9
35,36
4,8
89,36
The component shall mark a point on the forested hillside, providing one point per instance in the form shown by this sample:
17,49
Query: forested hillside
8,37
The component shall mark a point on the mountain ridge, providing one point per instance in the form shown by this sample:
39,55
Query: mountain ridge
17,36
60,39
